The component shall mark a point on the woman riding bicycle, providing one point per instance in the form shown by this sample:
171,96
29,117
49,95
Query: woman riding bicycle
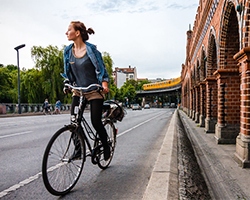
83,65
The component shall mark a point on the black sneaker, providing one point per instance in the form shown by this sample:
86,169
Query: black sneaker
73,119
106,153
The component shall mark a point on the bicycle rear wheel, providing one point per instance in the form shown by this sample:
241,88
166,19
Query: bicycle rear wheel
111,132
63,160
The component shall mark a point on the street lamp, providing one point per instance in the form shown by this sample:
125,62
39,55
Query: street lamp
17,48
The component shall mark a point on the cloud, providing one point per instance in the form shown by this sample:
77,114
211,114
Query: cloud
129,6
65,16
181,6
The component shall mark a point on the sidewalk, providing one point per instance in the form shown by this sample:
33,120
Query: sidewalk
223,177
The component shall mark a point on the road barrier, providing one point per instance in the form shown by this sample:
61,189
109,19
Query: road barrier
8,108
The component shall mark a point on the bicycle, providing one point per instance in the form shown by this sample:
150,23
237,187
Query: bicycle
57,110
46,111
65,154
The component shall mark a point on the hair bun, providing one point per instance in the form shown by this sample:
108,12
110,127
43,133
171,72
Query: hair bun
90,31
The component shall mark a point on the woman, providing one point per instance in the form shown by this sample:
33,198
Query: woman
83,65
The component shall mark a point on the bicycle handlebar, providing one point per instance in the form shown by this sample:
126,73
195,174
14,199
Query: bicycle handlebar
83,88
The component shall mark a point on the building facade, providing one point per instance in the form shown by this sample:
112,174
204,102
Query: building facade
216,73
119,73
120,78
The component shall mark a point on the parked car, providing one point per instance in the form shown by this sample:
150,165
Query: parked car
172,105
136,107
146,106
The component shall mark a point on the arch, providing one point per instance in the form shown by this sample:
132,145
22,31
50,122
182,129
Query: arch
203,65
193,76
212,64
197,77
229,37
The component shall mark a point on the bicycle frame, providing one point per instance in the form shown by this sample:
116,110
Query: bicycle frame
80,119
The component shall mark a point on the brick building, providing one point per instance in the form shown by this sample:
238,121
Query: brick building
216,73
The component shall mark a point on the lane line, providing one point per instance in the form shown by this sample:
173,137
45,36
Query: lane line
139,124
22,183
32,178
15,134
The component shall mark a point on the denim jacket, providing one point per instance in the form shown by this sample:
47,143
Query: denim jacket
95,57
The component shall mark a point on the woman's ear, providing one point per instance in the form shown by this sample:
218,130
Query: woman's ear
78,33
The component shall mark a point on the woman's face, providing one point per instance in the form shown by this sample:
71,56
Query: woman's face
71,33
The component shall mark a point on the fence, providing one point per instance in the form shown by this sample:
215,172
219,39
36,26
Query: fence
28,108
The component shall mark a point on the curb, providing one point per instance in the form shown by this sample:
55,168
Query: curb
163,183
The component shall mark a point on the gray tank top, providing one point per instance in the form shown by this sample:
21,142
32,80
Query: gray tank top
83,70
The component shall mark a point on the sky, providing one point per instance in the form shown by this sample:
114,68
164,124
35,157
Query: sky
147,34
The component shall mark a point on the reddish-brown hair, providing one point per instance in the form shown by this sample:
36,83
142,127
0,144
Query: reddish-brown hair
79,26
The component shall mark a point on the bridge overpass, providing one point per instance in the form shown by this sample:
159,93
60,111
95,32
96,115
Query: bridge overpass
176,90
173,94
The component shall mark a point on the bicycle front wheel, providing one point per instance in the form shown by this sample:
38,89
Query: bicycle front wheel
63,160
111,133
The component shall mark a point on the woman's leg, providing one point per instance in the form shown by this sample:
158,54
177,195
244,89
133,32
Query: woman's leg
75,102
96,119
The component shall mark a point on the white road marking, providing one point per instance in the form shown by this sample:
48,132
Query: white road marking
15,134
120,134
32,178
22,183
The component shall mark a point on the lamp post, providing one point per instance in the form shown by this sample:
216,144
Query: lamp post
19,101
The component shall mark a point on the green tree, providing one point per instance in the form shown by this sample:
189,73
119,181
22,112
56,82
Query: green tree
137,84
141,83
49,61
127,91
109,65
6,85
132,82
32,86
12,68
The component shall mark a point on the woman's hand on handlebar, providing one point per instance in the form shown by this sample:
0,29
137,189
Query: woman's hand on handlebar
105,90
66,89
105,87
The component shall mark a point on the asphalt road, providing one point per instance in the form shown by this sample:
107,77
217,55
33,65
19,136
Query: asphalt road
23,140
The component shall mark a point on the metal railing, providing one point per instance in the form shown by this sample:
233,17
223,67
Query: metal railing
8,108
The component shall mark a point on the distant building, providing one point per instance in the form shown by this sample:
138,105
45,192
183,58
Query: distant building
121,75
157,80
142,79
120,78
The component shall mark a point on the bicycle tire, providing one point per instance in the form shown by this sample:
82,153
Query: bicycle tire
111,132
63,161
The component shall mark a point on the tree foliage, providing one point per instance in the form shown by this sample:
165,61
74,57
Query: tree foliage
109,66
6,84
49,61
